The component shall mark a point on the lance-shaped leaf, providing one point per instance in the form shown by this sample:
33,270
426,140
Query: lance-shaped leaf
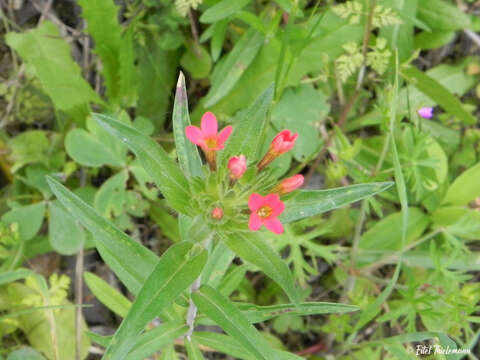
252,247
188,156
249,129
163,170
235,64
193,351
256,314
230,318
228,345
150,341
307,203
129,260
176,270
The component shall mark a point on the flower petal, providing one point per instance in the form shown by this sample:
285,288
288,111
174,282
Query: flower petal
209,124
224,135
255,201
274,225
255,222
273,200
194,134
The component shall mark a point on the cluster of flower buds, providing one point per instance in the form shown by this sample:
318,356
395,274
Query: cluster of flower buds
264,210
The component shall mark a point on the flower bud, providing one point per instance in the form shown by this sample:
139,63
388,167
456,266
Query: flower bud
289,184
282,143
426,112
237,166
217,213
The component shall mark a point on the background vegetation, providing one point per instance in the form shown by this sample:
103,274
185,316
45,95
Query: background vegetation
349,77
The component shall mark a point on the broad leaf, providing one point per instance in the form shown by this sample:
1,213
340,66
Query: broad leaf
163,170
307,203
129,260
229,318
66,235
176,270
465,188
253,248
48,53
29,219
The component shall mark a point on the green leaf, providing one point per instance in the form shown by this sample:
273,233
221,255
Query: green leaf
65,233
222,9
176,270
117,63
300,109
228,345
28,147
163,170
253,248
9,276
187,152
229,318
307,203
249,129
29,219
107,295
433,40
236,62
218,263
49,54
25,353
129,260
193,351
155,339
442,15
437,92
87,150
196,60
458,221
156,77
465,188
386,234
111,197
256,314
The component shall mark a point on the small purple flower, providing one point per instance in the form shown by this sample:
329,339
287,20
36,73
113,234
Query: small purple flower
426,112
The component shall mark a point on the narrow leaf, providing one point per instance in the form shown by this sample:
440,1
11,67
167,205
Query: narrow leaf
107,295
235,64
163,170
222,10
249,129
126,256
308,203
230,319
438,93
188,156
252,247
176,270
193,351
256,314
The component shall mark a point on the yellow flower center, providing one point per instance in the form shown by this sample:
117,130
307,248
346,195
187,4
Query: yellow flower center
264,211
211,142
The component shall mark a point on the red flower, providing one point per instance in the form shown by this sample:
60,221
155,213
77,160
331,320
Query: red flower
237,165
207,137
289,184
265,211
283,142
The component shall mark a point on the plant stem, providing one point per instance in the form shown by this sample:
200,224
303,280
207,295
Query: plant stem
78,301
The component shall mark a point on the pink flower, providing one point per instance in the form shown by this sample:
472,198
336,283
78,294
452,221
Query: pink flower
426,112
207,137
289,184
265,211
237,166
283,142
217,213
